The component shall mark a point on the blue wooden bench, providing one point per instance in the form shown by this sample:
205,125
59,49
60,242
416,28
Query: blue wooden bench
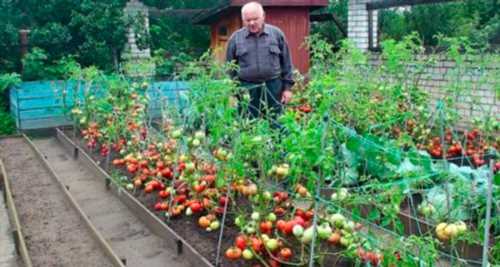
45,104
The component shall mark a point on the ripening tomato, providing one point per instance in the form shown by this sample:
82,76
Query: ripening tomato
204,222
132,168
209,179
334,238
118,162
233,253
149,188
198,188
286,253
279,211
266,227
257,244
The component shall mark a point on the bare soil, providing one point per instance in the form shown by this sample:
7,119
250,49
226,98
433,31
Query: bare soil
54,233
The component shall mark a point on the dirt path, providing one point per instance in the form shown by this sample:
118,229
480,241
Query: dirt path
54,233
129,238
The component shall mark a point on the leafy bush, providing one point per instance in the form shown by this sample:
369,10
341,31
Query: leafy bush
7,124
34,64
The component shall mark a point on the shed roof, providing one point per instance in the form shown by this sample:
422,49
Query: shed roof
227,6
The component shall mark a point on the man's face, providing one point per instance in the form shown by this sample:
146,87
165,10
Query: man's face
253,19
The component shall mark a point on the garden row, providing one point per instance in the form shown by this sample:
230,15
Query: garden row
360,169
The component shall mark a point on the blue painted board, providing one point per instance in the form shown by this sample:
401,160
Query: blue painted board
44,123
41,113
40,104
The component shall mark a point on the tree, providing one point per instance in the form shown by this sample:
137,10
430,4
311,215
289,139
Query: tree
478,20
9,38
329,29
99,32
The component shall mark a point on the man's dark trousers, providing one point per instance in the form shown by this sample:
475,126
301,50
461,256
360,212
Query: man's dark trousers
265,99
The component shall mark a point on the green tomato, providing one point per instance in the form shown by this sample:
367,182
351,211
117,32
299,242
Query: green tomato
130,187
324,231
267,195
308,235
338,220
272,244
298,230
255,216
199,135
271,217
196,142
247,254
215,225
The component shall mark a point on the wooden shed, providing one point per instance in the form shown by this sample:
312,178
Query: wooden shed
291,16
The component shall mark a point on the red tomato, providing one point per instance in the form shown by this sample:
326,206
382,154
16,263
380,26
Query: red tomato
164,194
288,228
196,206
223,200
241,242
132,168
280,224
299,220
274,263
180,199
199,188
167,173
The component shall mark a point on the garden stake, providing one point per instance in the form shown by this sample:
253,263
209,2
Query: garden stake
319,182
440,107
488,217
221,233
414,213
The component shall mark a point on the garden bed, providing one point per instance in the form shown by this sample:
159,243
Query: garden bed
202,244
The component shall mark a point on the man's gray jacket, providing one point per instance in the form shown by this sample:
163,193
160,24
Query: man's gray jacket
261,58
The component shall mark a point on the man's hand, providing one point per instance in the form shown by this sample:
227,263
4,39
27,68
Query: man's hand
286,96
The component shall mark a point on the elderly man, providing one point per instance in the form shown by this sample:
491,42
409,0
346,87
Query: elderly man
265,68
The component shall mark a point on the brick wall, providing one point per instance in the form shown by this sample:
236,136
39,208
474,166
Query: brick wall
479,90
357,23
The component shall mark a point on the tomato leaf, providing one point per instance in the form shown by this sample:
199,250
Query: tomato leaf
374,215
356,213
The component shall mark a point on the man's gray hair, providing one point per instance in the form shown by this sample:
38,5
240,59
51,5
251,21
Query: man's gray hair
253,4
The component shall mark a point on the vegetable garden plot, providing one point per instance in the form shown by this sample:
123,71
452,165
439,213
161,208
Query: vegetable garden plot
260,193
